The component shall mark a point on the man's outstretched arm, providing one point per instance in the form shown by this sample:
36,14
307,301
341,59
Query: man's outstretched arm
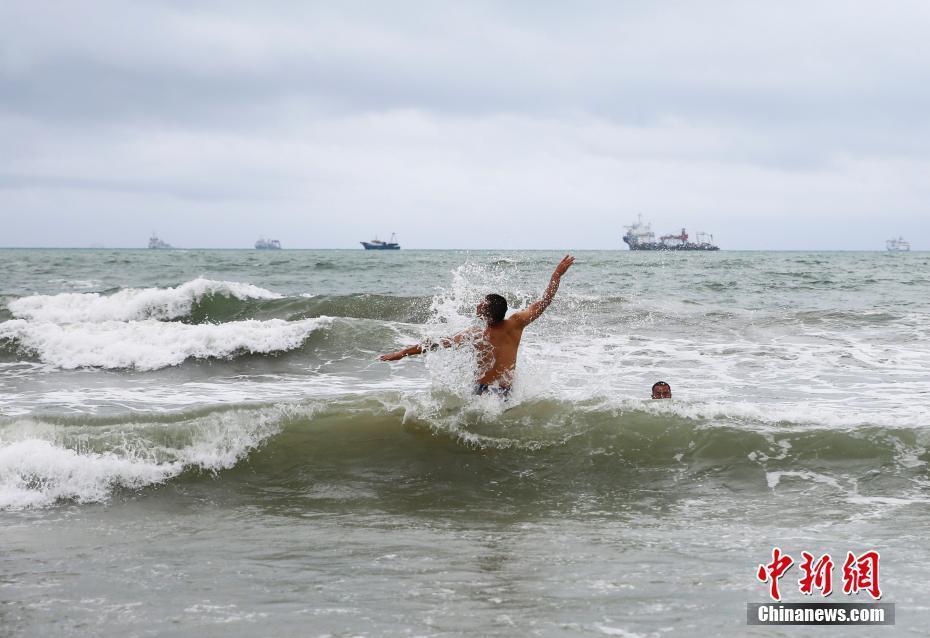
532,312
420,348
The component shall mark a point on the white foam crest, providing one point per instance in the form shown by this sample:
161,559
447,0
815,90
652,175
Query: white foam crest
475,420
36,473
152,344
801,415
805,477
42,463
131,303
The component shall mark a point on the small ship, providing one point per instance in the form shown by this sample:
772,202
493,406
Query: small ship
157,244
639,236
377,244
899,245
267,244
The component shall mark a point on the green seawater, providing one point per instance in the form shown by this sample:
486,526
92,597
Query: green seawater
204,442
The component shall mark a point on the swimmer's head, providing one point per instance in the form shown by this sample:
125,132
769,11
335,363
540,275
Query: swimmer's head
493,308
661,390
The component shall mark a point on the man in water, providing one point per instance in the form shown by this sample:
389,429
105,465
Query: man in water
498,339
661,390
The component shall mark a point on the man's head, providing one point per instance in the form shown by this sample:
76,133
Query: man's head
661,390
493,308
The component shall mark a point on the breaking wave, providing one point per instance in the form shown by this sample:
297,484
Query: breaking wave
43,462
208,301
150,344
396,443
132,304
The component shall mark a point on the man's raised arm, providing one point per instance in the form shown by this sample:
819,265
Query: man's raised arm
420,348
532,312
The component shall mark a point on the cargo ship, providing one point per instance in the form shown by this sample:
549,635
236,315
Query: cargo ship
377,244
639,236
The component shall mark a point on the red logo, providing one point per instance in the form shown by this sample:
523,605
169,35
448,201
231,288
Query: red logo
819,575
774,570
860,573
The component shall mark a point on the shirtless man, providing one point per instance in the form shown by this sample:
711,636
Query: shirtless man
498,340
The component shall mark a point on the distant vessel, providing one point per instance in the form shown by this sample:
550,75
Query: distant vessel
157,244
639,236
899,245
377,244
267,244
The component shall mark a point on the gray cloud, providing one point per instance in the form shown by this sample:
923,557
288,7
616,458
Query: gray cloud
747,119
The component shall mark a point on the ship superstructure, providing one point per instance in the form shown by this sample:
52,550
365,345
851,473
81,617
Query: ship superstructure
267,244
899,245
377,244
639,236
157,244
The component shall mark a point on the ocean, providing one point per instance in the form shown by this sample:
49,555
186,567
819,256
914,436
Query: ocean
205,443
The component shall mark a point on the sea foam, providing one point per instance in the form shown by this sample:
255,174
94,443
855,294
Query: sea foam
42,463
150,344
133,328
131,303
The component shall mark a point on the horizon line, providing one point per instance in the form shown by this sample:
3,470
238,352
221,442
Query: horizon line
618,249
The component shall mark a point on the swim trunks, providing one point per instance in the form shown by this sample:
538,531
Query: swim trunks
484,388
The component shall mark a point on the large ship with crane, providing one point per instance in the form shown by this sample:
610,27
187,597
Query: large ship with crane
639,236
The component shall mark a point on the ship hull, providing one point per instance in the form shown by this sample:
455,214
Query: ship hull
664,247
380,246
673,248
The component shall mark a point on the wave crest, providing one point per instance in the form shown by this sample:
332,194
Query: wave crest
150,344
42,463
219,308
131,304
390,439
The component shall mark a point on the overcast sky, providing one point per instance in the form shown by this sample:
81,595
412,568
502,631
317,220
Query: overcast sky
776,125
